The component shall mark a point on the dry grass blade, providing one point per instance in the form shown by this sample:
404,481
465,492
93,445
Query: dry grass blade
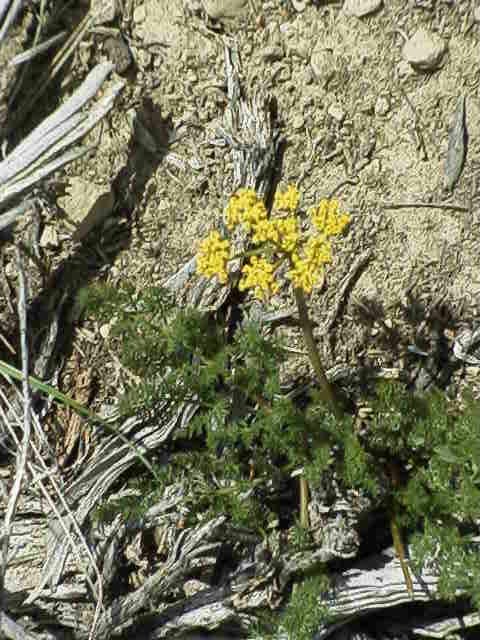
40,153
23,448
57,63
10,15
64,520
10,216
28,55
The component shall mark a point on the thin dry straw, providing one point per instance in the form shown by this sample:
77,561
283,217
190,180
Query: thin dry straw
38,155
10,16
37,50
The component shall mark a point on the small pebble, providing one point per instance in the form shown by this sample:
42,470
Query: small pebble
139,14
271,54
424,50
118,52
360,8
323,63
225,9
297,122
300,5
382,106
336,112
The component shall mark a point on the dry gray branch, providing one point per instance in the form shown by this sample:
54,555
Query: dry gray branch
23,449
189,545
8,12
28,55
41,152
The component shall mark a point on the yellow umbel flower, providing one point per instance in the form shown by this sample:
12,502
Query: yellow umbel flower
244,206
327,218
307,270
282,232
253,215
288,200
318,251
302,276
213,256
259,276
289,235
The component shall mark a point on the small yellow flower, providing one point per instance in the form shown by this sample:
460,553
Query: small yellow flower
318,251
289,235
240,206
213,256
302,276
282,232
253,215
259,276
265,231
307,271
288,200
327,218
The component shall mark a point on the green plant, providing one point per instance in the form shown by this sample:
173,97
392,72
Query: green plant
417,456
305,613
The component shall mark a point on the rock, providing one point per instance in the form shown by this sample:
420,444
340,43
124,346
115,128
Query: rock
300,5
225,9
425,50
87,205
118,53
104,11
271,54
139,14
382,106
49,237
360,8
336,112
323,63
298,122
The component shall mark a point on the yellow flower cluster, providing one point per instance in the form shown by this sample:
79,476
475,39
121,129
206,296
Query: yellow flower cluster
327,218
288,200
282,239
213,256
283,232
307,270
259,276
245,207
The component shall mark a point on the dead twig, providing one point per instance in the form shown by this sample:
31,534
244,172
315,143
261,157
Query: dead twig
424,205
27,425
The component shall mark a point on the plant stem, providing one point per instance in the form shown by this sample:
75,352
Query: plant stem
395,530
326,387
304,518
400,551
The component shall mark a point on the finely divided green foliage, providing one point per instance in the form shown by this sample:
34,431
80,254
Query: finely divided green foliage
305,613
247,434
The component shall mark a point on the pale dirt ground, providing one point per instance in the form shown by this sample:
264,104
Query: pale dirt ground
423,270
